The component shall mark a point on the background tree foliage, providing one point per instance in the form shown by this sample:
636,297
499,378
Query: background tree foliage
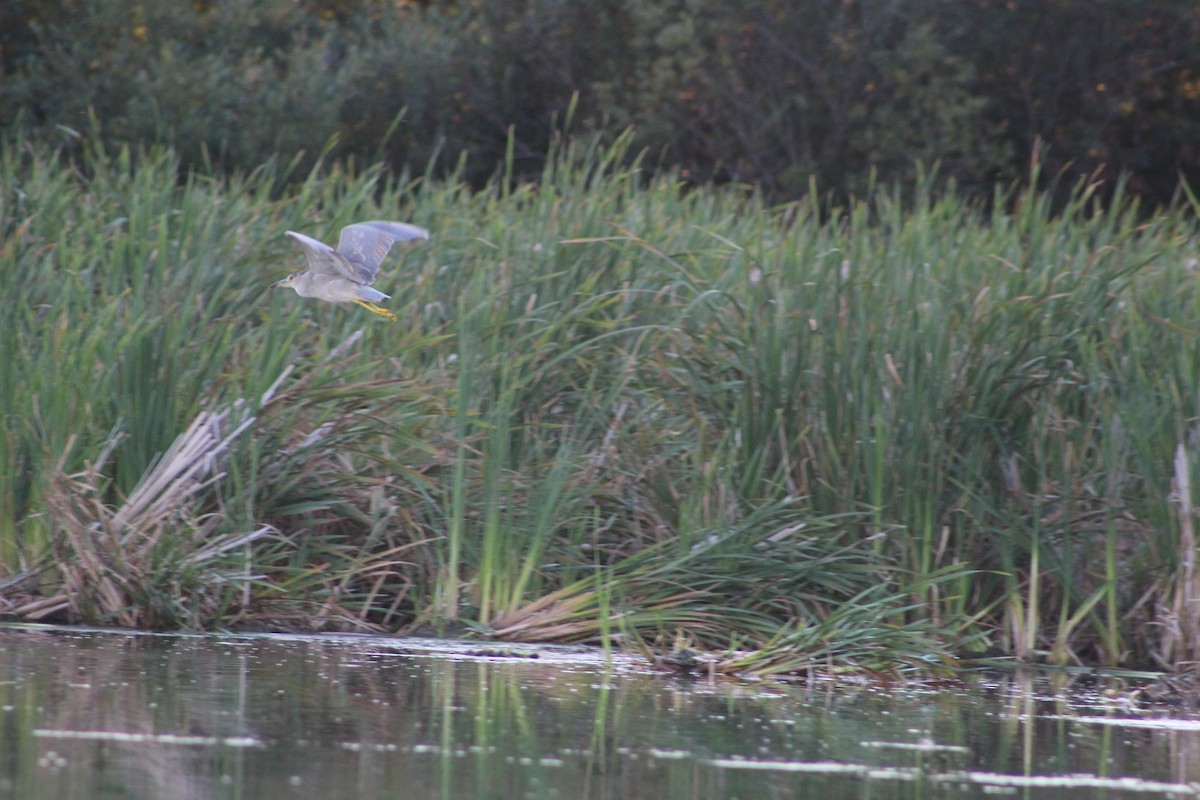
769,92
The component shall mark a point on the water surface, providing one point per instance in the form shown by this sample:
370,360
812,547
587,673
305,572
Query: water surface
101,714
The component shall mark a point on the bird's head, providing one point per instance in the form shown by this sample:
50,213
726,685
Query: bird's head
287,283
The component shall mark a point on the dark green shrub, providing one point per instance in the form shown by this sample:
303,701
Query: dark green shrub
769,92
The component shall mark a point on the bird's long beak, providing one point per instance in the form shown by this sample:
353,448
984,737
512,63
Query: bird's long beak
285,283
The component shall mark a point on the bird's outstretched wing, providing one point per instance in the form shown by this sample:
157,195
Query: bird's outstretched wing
364,245
322,259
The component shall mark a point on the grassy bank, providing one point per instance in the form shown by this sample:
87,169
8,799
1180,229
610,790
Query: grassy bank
612,411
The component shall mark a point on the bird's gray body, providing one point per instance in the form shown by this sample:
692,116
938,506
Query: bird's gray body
344,274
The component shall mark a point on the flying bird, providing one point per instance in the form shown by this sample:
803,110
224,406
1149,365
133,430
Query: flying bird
344,274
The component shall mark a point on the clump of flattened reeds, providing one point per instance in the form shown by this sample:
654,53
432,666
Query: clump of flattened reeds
775,592
171,555
157,560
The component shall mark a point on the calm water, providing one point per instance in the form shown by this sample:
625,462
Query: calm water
87,714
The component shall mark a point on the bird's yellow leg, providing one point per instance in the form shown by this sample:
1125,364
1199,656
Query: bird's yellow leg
374,309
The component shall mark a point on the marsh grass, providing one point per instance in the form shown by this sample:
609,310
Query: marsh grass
614,410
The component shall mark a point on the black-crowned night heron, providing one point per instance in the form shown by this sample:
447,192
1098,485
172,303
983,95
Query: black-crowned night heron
345,274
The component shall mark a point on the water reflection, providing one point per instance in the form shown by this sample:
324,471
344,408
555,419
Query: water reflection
102,714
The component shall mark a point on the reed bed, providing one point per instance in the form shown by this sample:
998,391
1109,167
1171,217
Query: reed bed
614,410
